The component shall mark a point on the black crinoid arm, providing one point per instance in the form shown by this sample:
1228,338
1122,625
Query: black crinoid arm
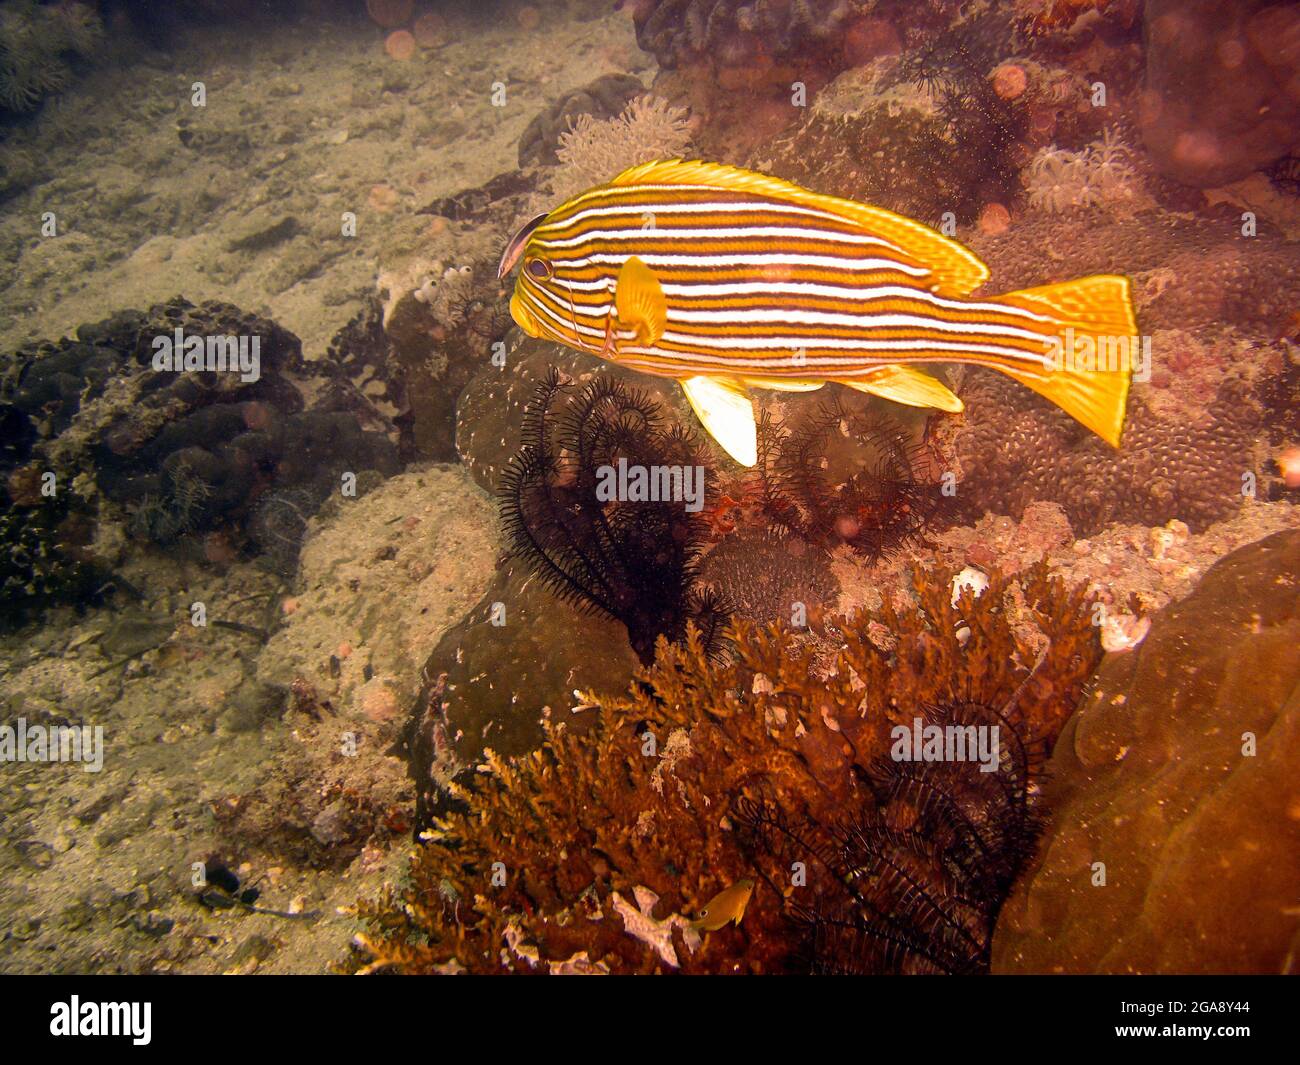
911,879
634,560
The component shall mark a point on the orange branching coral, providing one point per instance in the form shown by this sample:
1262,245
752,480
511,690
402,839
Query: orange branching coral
591,854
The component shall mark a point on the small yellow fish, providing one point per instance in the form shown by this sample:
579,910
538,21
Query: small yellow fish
727,280
726,906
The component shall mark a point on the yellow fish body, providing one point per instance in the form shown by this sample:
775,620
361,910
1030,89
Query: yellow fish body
727,279
726,906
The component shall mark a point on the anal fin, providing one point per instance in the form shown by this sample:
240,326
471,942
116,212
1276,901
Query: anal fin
902,384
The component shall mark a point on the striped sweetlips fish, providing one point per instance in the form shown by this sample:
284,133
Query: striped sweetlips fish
727,279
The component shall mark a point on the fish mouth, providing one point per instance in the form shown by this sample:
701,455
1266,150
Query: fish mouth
523,317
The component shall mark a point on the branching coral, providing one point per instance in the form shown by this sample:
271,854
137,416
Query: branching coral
35,40
632,559
586,854
923,875
592,151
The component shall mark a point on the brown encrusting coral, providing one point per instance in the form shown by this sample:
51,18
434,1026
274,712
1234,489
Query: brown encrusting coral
590,854
1014,451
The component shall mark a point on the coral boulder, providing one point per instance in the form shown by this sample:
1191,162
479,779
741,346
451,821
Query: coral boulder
1175,810
1222,92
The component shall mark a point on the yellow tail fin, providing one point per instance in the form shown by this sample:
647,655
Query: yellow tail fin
1098,346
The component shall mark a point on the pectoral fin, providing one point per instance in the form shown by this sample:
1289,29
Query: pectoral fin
639,301
905,385
727,412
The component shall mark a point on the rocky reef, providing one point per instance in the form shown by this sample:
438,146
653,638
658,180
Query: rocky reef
231,460
583,719
601,100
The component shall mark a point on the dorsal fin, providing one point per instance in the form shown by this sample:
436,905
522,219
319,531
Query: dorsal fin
954,270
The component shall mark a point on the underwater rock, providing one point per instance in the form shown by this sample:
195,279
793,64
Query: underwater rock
1129,569
603,98
49,384
515,659
439,327
185,451
211,467
278,525
316,809
738,33
265,234
52,382
370,614
1178,774
362,375
1222,91
497,195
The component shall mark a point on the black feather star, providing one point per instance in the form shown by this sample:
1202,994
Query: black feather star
914,881
634,561
846,477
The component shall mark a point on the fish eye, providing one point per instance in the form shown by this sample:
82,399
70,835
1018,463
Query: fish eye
539,269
